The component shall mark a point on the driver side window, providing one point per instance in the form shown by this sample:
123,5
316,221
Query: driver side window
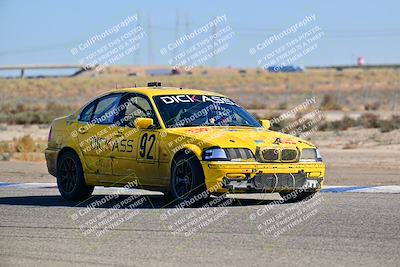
136,106
105,109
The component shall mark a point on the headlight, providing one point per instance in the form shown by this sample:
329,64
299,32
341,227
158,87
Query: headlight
319,157
214,154
310,155
232,154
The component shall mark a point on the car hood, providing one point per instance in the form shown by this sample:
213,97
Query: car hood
239,137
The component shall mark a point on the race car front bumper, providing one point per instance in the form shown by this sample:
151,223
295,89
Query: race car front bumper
252,177
272,182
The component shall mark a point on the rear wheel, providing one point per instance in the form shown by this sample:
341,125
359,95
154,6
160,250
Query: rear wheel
70,178
187,180
292,198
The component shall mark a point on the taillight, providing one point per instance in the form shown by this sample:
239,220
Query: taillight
49,136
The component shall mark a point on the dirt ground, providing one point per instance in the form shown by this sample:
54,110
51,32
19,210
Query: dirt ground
365,166
10,132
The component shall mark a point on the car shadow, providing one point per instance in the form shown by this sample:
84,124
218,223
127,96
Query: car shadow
126,201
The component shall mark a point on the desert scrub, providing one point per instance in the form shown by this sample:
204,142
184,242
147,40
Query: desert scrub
32,113
24,148
389,125
329,103
339,125
23,144
367,120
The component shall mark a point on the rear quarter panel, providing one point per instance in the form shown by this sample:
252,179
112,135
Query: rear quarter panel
63,135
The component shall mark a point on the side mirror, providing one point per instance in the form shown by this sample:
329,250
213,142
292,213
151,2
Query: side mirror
143,123
266,123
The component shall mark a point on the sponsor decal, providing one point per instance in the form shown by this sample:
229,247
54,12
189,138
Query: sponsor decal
287,141
198,130
279,141
174,99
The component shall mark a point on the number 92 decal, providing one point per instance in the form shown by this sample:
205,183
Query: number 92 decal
146,146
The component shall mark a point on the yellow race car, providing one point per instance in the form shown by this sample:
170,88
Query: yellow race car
186,143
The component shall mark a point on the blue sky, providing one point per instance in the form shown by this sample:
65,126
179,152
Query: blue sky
43,32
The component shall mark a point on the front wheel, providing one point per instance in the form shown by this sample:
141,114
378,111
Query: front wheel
187,180
294,197
70,178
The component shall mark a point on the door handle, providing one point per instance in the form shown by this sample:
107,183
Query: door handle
82,130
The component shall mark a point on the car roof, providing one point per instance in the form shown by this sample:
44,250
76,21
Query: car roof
155,91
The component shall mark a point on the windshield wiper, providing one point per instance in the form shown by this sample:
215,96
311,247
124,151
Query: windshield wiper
185,125
241,125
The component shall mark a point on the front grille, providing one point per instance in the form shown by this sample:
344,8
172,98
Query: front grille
270,154
289,155
271,182
276,154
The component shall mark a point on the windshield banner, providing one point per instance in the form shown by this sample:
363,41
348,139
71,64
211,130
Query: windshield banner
174,99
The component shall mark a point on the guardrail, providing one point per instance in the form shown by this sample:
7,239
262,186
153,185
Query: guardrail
342,67
22,68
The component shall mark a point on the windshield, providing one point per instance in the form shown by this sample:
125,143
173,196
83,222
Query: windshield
202,110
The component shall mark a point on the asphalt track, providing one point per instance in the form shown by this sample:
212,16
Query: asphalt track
339,227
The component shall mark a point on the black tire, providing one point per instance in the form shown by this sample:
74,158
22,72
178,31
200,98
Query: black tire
291,198
187,180
70,178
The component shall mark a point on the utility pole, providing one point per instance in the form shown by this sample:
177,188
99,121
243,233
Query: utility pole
187,31
214,31
136,57
150,42
176,50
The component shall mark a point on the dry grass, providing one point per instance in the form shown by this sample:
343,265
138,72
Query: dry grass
23,148
365,121
40,100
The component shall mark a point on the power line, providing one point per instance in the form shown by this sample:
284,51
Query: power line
329,34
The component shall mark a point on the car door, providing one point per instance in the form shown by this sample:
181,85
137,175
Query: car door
135,151
94,124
